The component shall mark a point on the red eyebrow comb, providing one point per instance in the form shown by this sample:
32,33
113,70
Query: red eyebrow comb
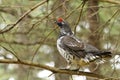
60,20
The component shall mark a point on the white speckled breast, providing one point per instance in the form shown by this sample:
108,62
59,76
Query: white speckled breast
62,52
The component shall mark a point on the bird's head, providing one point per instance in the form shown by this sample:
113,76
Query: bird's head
64,27
60,22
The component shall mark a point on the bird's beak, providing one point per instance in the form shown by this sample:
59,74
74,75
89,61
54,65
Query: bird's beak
56,26
56,22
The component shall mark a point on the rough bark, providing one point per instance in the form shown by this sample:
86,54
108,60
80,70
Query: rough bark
93,20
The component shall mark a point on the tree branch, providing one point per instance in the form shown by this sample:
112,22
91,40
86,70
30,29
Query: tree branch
53,69
29,43
111,1
23,16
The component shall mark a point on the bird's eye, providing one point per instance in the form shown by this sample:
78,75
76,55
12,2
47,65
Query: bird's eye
59,24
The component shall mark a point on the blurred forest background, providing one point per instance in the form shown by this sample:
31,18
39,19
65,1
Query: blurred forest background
28,33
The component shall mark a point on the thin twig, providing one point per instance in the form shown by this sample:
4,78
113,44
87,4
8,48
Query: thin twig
11,53
23,16
100,29
83,4
39,21
111,1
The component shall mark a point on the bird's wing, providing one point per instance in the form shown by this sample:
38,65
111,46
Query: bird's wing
83,50
72,43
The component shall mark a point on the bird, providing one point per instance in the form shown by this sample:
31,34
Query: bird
76,52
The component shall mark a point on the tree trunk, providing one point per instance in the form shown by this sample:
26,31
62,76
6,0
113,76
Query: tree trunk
93,20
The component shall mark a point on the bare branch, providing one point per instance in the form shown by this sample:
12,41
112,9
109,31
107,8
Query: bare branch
31,43
23,16
111,1
53,69
11,52
103,26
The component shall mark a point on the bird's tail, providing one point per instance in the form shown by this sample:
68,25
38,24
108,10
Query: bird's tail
104,54
98,57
